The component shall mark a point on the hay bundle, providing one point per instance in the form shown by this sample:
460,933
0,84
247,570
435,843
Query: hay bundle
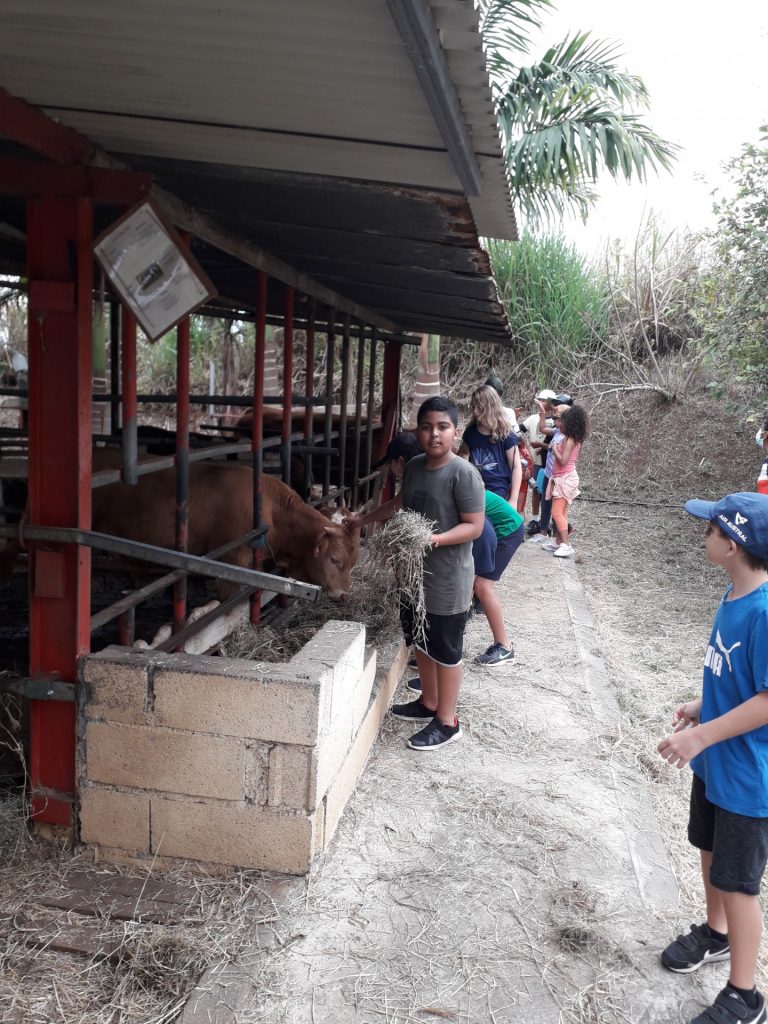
398,551
390,567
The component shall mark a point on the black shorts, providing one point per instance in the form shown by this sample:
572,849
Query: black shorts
444,635
738,843
505,548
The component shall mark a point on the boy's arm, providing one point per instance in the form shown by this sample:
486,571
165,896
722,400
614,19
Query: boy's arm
563,451
682,747
470,528
381,512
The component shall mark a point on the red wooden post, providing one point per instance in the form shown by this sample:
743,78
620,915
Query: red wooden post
257,428
129,418
285,448
60,272
182,465
390,403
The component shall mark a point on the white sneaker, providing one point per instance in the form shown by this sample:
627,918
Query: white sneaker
550,545
563,551
539,538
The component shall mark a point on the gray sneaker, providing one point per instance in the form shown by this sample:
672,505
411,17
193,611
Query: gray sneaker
495,655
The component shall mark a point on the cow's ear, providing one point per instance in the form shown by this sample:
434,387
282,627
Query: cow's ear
320,538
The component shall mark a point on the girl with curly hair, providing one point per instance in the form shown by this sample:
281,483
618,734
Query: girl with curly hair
493,446
573,427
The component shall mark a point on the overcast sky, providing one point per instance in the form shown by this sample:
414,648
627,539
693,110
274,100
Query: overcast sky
706,67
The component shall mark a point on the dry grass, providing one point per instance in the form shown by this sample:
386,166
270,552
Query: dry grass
389,568
149,978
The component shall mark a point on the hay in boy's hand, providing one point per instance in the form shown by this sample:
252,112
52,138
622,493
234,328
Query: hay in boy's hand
399,548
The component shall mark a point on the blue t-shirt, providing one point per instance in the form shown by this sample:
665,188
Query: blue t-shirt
735,771
490,457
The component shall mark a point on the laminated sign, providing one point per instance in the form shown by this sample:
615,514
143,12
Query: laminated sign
151,270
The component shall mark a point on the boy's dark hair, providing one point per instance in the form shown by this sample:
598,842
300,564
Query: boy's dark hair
495,382
574,423
439,403
755,563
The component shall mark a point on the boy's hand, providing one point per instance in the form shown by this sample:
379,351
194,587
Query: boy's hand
686,714
681,747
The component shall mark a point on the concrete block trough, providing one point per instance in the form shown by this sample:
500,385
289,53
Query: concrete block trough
226,762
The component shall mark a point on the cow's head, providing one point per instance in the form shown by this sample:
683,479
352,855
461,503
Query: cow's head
335,552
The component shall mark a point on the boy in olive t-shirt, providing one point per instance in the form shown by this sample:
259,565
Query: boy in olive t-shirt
445,488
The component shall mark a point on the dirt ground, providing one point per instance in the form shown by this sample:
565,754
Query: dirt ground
533,870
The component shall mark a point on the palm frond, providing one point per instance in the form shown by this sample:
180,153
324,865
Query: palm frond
506,26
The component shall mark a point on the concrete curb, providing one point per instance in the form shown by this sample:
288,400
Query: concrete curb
656,881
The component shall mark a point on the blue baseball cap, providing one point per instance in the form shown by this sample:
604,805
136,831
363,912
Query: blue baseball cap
742,516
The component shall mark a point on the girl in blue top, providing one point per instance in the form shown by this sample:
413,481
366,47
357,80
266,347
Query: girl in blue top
493,446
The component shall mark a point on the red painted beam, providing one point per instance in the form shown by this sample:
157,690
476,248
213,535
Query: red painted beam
59,265
257,427
29,126
287,426
36,178
182,465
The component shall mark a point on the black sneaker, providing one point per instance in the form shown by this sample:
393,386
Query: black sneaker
730,1008
413,711
688,952
495,655
532,528
435,735
414,684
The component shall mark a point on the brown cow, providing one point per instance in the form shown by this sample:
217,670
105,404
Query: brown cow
301,540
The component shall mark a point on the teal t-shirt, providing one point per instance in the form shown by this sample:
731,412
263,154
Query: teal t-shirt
504,519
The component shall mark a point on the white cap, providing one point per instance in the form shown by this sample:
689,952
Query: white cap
546,394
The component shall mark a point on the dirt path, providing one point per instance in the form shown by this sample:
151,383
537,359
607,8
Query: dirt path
519,874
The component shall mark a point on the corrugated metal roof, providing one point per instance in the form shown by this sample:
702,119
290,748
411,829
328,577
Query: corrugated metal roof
268,98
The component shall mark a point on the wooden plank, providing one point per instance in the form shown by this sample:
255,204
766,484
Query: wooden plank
124,885
117,908
46,931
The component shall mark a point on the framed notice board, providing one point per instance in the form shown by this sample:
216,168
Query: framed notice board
152,270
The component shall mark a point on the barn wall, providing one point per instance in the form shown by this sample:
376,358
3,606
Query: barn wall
226,762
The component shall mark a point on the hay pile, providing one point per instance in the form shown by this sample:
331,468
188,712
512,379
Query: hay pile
156,967
389,568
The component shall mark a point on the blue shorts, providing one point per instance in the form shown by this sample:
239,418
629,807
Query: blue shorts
484,549
505,549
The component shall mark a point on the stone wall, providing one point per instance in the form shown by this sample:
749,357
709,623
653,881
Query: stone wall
223,761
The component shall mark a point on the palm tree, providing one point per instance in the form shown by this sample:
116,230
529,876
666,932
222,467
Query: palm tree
568,117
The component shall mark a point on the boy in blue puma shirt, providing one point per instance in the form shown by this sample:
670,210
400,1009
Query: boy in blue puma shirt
724,736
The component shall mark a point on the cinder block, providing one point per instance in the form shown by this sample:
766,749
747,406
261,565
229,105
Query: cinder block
344,782
161,759
275,703
109,817
115,686
362,694
241,835
292,776
257,771
339,647
335,743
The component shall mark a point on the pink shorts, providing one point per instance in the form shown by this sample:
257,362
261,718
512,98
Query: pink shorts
565,486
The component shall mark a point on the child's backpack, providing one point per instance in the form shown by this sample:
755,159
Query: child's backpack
527,460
